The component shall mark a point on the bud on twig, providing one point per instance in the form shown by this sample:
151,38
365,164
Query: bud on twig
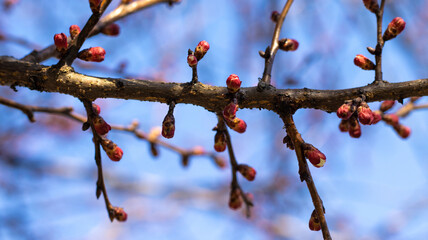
120,214
237,124
376,117
101,127
363,62
371,5
391,119
168,126
96,109
74,31
288,44
201,49
395,27
314,223
233,83
229,112
114,152
247,172
344,112
93,54
365,115
95,5
61,43
192,60
386,105
315,156
355,128
344,126
403,131
220,141
275,16
235,199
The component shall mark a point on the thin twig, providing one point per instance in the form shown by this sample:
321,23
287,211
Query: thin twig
234,165
270,52
380,43
304,171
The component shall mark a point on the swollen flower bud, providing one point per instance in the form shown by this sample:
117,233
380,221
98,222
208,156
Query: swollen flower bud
395,27
386,105
74,31
286,44
220,162
61,43
344,112
315,156
233,83
192,60
119,214
376,117
365,115
93,54
247,172
314,223
96,109
101,127
111,30
201,49
363,62
95,5
235,199
391,119
344,126
229,112
371,5
168,126
403,131
275,16
220,141
114,152
355,128
237,125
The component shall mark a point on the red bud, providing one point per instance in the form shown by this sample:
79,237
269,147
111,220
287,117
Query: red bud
247,172
371,5
344,112
61,43
235,199
120,214
74,31
101,127
395,27
314,223
192,60
288,44
229,112
237,125
168,126
95,5
220,141
111,30
94,54
201,49
233,83
363,62
315,156
114,152
365,115
386,105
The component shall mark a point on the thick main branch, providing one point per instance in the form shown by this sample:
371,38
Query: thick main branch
49,79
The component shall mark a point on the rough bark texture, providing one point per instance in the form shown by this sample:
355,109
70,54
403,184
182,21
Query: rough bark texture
65,80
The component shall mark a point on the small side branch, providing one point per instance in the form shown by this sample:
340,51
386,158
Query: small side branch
380,43
304,172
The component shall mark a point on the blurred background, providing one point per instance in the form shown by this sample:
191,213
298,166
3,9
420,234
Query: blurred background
374,187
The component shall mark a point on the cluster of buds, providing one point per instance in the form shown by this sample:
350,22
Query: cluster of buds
95,5
229,112
220,141
111,29
395,27
61,42
74,31
100,126
168,124
93,54
247,172
315,156
194,56
119,214
235,199
363,62
314,222
287,44
355,112
114,152
371,5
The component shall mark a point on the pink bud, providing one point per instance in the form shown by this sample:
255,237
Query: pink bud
201,49
220,141
61,43
363,62
120,214
93,54
114,152
391,119
315,156
111,30
220,162
314,223
395,27
101,127
288,44
168,126
96,109
355,128
238,125
192,60
74,31
376,117
344,112
198,150
403,131
344,126
95,5
386,105
275,16
371,5
365,115
229,112
247,172
235,199
233,83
